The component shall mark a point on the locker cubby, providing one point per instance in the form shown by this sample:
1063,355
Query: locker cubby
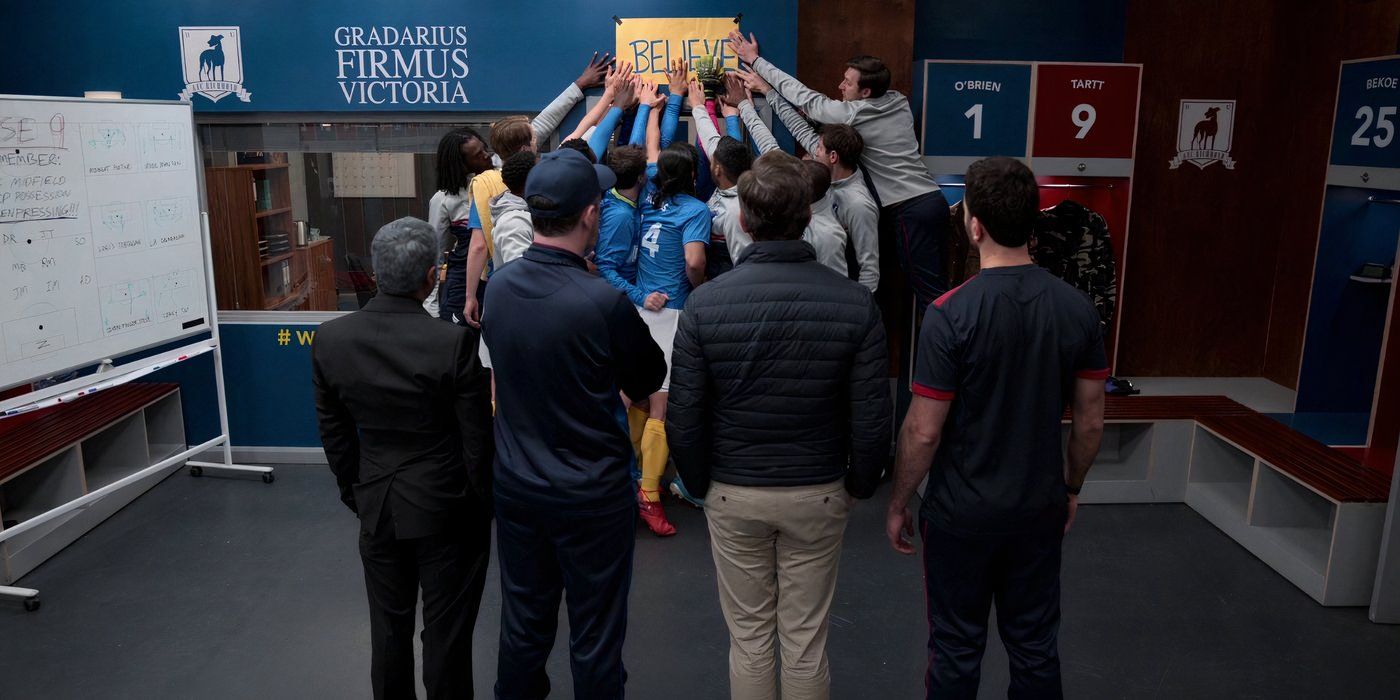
165,428
93,444
1125,453
1220,477
51,483
116,452
1298,520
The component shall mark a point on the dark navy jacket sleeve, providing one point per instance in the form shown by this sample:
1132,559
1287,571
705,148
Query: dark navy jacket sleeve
688,409
870,409
473,408
638,361
339,435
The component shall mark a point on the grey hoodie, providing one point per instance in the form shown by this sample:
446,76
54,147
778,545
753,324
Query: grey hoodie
826,236
850,200
512,231
891,154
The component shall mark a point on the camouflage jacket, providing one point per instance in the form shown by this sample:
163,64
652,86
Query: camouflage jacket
1072,242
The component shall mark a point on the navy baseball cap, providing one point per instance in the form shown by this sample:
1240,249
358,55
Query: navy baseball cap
566,178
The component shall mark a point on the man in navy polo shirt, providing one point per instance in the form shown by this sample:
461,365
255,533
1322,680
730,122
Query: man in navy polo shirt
564,342
999,359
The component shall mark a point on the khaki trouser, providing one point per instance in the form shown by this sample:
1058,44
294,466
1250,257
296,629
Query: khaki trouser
776,552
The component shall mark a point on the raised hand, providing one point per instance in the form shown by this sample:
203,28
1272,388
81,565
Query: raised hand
678,75
754,82
626,95
745,49
595,72
735,92
695,97
617,76
647,94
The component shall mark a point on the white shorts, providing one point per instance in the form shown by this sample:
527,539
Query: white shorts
483,353
663,325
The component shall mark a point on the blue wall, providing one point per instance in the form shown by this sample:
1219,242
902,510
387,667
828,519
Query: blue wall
1346,323
519,54
1021,30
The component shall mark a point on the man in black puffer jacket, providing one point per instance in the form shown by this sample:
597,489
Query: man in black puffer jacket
779,415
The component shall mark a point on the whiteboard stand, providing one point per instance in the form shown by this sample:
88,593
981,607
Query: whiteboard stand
110,132
28,595
197,468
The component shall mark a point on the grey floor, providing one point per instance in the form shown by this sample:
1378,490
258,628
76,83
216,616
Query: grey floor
222,588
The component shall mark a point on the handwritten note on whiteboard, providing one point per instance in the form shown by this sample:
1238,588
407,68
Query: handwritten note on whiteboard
101,251
373,174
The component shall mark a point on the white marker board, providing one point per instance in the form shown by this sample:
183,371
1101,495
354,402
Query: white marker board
101,248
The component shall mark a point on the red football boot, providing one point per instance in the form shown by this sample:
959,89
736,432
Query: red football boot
654,516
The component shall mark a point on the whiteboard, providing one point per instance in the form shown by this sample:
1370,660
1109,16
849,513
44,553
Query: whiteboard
101,249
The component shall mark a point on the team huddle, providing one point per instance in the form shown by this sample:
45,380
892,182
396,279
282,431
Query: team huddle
629,274
657,239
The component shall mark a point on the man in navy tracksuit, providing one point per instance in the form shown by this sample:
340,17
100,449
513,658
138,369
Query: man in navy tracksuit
563,343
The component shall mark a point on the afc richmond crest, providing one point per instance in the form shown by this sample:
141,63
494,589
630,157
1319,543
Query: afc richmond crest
212,61
1204,133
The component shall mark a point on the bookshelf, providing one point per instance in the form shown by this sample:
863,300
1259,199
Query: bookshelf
257,264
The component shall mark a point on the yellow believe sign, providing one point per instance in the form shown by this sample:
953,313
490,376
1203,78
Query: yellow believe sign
650,44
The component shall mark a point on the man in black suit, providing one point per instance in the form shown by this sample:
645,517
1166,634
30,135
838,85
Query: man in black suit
405,415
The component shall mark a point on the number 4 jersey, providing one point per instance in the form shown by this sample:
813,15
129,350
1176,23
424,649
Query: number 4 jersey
666,230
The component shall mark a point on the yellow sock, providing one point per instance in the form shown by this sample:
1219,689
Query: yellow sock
655,452
636,422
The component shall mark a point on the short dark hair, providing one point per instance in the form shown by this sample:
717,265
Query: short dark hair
582,147
628,163
873,74
516,170
818,178
1003,195
845,142
775,198
733,156
551,227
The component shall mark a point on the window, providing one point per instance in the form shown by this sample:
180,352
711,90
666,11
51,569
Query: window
293,206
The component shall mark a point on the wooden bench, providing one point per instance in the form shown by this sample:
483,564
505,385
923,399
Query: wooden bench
1309,511
57,455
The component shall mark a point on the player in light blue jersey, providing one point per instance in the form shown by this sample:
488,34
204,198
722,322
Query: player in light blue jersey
675,231
619,226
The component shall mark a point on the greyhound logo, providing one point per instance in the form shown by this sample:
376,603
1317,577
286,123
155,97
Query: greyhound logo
212,61
1205,133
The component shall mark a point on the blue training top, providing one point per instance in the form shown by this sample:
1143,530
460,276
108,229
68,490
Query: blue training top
619,232
665,230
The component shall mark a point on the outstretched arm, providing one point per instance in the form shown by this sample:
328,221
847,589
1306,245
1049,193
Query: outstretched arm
801,129
549,120
654,136
680,71
763,139
816,105
704,126
649,100
623,100
740,83
617,80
